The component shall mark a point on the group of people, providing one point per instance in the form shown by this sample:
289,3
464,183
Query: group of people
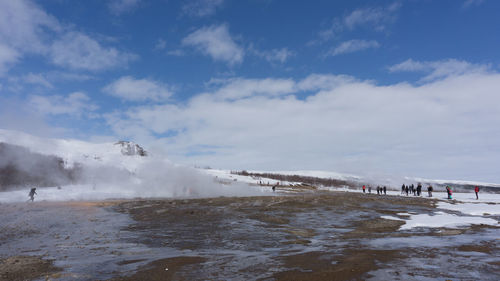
416,191
380,189
408,189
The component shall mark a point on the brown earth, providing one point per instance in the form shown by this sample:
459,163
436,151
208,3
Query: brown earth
162,269
289,223
26,268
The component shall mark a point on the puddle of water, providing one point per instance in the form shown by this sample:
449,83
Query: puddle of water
77,237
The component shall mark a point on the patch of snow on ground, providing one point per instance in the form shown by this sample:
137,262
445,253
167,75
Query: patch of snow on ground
392,218
442,219
475,209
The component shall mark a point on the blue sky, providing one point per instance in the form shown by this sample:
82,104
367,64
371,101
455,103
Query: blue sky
400,88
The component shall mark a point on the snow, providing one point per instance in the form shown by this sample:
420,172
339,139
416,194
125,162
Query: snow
392,218
226,176
157,177
442,219
475,209
108,174
72,151
312,173
452,182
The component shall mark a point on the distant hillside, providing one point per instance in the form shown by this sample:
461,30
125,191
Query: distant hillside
19,167
316,181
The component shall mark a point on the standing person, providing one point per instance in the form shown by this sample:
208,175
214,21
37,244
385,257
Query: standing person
378,189
476,190
429,190
403,189
385,190
370,189
419,189
406,190
448,190
32,194
364,187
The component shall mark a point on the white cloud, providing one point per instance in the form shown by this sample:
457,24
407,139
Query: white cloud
240,88
25,28
176,52
274,55
439,69
470,3
118,7
8,56
438,129
201,8
160,44
352,46
75,104
79,51
37,79
315,82
216,42
377,18
131,89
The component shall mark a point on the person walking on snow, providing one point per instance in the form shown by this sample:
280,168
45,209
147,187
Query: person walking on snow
32,194
364,187
448,190
385,190
403,189
419,189
476,190
429,190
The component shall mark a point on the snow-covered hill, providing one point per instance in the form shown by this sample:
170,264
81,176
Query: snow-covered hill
125,169
111,170
120,154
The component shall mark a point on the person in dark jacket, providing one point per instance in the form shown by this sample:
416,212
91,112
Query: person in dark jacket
429,190
407,188
403,189
32,194
476,190
385,190
419,189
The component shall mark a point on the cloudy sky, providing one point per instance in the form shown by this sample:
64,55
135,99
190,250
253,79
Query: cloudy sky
401,88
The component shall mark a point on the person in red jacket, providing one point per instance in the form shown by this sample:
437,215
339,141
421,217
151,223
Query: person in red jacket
476,190
448,190
364,187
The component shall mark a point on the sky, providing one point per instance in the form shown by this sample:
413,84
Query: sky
376,88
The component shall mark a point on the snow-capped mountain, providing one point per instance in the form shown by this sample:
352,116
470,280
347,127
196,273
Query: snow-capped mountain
121,154
130,149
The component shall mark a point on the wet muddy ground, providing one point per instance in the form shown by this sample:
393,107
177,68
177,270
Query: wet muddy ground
311,236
